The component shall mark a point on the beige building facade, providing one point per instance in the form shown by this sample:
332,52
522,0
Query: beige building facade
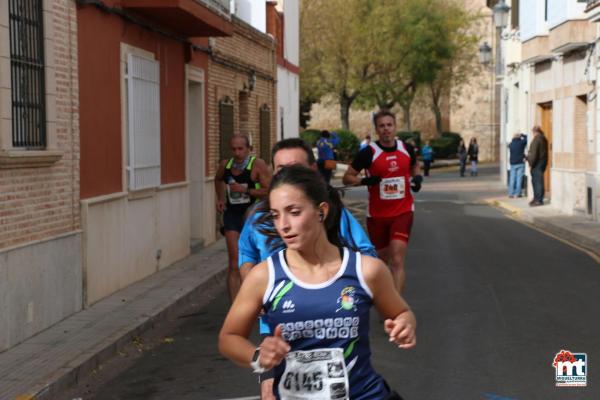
550,80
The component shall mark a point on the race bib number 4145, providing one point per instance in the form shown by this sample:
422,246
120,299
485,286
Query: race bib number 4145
318,374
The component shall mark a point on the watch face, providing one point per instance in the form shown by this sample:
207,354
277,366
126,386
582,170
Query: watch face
256,354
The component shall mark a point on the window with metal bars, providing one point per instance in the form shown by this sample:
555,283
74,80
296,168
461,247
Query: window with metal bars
225,126
26,31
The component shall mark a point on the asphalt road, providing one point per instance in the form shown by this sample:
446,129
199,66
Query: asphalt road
495,301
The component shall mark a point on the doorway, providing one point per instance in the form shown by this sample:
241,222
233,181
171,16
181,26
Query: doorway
546,124
195,155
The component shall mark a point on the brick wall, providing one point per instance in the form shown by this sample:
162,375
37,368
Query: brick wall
39,203
228,71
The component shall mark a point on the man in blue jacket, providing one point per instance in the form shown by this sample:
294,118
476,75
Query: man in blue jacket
326,152
253,247
517,164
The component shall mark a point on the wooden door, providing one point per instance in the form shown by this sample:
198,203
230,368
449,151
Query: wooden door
546,117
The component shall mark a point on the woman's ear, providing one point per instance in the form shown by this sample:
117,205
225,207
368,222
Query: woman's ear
323,211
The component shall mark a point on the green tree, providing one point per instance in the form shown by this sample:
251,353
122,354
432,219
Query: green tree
402,62
459,60
334,54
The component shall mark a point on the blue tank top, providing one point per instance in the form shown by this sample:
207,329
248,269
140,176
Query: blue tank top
332,314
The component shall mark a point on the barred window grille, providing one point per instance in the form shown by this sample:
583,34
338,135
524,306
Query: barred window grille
225,126
26,32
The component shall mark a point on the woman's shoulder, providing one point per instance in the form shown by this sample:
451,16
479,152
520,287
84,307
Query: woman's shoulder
370,265
259,274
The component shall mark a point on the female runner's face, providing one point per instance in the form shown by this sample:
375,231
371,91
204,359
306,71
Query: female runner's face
295,217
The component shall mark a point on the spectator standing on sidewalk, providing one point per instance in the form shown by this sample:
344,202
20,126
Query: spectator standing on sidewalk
427,156
461,152
239,181
517,164
473,153
538,161
326,154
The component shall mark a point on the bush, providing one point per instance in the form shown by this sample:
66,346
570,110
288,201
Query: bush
446,146
406,135
443,147
348,145
455,136
311,136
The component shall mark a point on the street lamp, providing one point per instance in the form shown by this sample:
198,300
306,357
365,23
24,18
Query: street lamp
500,20
500,17
485,54
501,14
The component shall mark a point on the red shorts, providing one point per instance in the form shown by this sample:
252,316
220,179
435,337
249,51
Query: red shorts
382,230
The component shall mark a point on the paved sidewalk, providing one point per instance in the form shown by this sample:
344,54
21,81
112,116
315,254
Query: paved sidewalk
579,231
56,358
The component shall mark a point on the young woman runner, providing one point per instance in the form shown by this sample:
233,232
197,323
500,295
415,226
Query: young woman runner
316,295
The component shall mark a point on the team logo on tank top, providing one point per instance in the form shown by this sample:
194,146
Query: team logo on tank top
347,299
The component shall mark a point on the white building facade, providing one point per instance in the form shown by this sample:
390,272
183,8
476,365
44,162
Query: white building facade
550,65
288,79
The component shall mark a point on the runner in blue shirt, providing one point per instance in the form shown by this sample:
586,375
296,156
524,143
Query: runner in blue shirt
252,244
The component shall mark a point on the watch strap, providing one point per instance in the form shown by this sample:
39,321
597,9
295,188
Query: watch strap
255,363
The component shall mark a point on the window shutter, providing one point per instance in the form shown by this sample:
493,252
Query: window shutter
514,14
143,108
265,133
225,125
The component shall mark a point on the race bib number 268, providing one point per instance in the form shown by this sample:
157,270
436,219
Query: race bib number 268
392,188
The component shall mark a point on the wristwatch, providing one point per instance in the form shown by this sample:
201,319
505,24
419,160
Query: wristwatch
255,363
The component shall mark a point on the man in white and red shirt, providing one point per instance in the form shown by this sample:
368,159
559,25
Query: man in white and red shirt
391,172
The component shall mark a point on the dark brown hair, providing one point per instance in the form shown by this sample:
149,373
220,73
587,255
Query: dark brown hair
312,184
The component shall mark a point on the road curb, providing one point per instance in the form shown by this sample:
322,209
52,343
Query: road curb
178,289
500,204
78,372
568,236
574,238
